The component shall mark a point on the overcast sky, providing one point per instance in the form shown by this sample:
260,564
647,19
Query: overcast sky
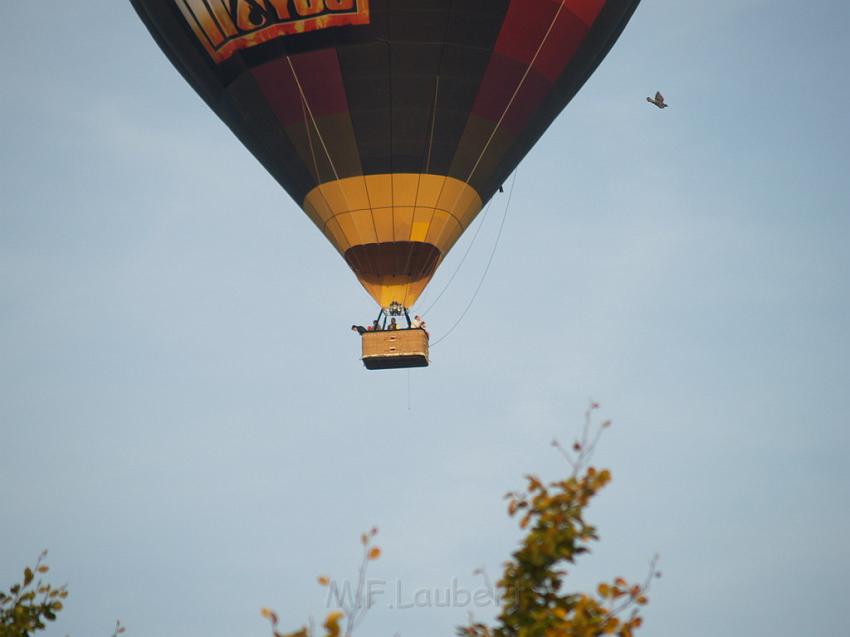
185,424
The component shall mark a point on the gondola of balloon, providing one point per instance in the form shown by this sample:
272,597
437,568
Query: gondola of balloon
389,122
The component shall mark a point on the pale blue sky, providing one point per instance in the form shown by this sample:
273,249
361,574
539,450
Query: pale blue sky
185,424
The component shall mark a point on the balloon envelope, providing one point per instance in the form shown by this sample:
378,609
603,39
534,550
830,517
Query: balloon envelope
390,122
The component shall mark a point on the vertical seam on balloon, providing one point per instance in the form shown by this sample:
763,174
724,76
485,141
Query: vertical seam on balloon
371,207
433,126
390,114
419,179
306,105
439,68
438,240
362,173
332,216
317,176
446,176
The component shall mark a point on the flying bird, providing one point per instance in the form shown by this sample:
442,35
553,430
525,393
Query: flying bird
658,100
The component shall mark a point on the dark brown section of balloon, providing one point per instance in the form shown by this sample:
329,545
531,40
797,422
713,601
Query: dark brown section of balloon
411,259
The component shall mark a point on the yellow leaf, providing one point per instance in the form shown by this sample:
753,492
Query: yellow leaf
332,623
374,553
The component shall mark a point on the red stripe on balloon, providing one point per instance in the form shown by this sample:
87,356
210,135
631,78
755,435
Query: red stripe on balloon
320,77
524,29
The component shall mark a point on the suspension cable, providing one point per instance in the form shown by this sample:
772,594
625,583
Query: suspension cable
487,268
312,118
463,258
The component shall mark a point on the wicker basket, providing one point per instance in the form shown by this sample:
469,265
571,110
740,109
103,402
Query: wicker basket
394,349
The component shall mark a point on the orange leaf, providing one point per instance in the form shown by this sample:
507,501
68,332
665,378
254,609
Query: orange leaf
270,615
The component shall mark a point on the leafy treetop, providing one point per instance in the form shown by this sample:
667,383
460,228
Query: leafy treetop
30,603
534,603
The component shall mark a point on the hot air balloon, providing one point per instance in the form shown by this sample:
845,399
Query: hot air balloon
390,122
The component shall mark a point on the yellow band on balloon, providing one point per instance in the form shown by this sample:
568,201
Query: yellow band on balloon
386,213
